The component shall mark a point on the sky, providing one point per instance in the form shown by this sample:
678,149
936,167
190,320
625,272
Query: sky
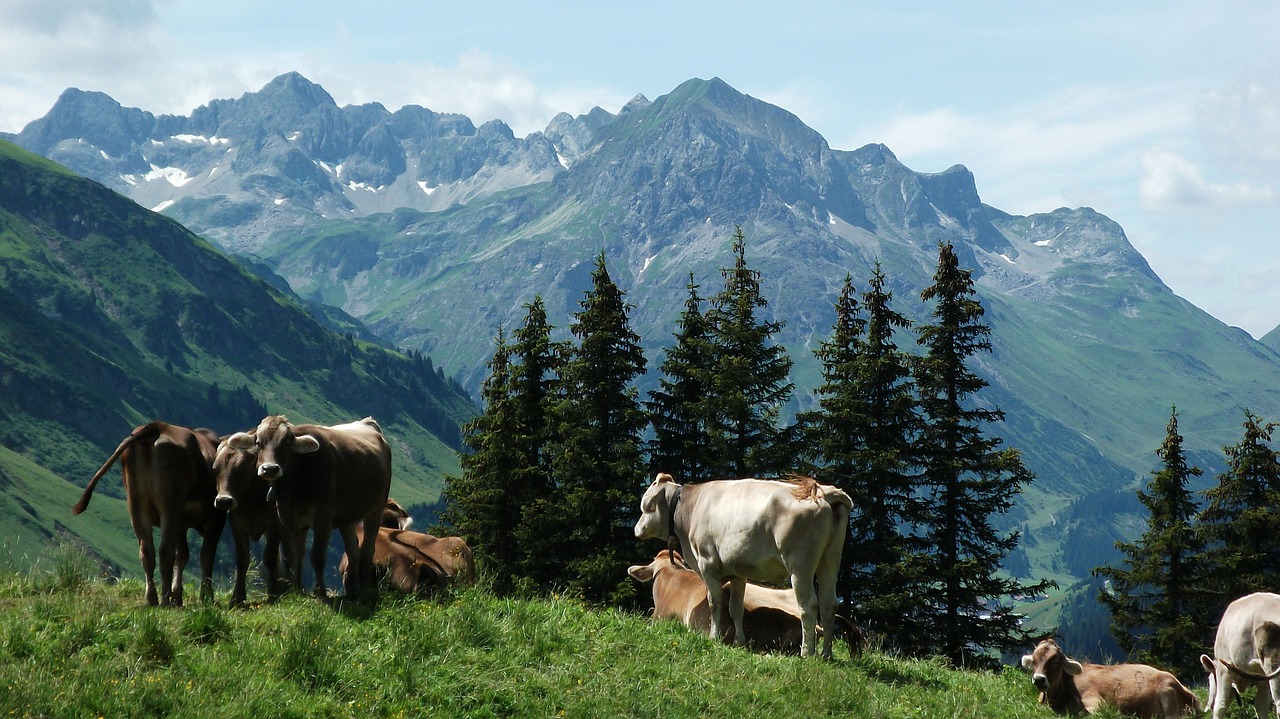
1163,115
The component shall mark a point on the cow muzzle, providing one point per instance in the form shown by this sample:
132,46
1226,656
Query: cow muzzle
1040,681
224,502
269,471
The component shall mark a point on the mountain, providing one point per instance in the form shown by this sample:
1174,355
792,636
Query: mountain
112,316
434,232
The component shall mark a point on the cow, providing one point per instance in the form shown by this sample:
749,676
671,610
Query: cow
168,483
1246,651
1071,687
417,563
321,478
770,531
770,617
243,497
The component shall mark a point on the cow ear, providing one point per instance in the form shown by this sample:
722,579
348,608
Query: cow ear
663,477
1073,667
641,572
242,441
1027,661
305,444
1207,662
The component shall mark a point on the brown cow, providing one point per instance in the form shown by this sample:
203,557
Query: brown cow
1071,687
396,516
323,478
770,617
244,499
168,482
421,563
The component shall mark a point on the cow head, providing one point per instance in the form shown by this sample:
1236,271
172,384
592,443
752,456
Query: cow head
233,471
275,444
666,559
395,516
1049,665
655,508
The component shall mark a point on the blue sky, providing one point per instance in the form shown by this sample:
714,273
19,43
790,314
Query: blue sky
1164,116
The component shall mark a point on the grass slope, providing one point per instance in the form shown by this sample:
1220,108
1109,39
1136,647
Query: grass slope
74,646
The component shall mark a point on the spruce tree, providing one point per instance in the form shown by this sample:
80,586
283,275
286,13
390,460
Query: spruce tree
533,376
681,444
966,480
479,504
597,459
1158,596
1239,525
750,378
864,434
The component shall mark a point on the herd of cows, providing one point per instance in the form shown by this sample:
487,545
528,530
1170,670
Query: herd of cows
279,481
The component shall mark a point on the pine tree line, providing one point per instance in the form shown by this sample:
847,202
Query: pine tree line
556,464
1195,557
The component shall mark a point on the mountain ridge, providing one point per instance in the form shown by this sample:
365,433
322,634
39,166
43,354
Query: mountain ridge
1090,348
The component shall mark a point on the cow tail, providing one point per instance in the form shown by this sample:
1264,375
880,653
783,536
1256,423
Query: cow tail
146,431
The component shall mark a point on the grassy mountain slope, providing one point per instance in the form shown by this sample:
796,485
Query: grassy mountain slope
111,316
89,649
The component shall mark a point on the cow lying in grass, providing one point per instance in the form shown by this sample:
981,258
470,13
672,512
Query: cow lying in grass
1071,687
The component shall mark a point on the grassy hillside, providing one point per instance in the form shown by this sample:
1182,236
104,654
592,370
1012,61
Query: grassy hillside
112,316
71,645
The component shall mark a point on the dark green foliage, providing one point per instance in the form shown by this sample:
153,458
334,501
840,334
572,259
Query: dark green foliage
967,479
1240,524
863,435
681,444
750,378
597,461
1158,596
484,499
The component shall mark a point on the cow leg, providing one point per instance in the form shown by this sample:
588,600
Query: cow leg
147,556
827,571
276,584
737,593
352,579
368,544
715,604
1272,690
240,539
802,585
168,559
208,553
319,548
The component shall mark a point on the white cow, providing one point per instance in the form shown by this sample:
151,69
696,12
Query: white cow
768,531
1246,651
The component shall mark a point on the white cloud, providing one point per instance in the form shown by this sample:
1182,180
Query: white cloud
1240,123
1172,182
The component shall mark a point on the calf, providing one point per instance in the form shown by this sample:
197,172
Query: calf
244,498
168,482
1071,687
740,529
421,563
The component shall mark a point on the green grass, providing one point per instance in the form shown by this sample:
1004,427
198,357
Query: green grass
73,645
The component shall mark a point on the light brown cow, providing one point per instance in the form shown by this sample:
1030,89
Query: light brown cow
417,563
168,483
1246,652
1071,687
323,478
770,617
244,498
739,529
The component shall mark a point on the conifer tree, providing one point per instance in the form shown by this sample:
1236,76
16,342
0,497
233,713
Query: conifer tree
533,376
864,435
681,444
1157,598
479,503
1240,524
597,459
750,377
966,480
